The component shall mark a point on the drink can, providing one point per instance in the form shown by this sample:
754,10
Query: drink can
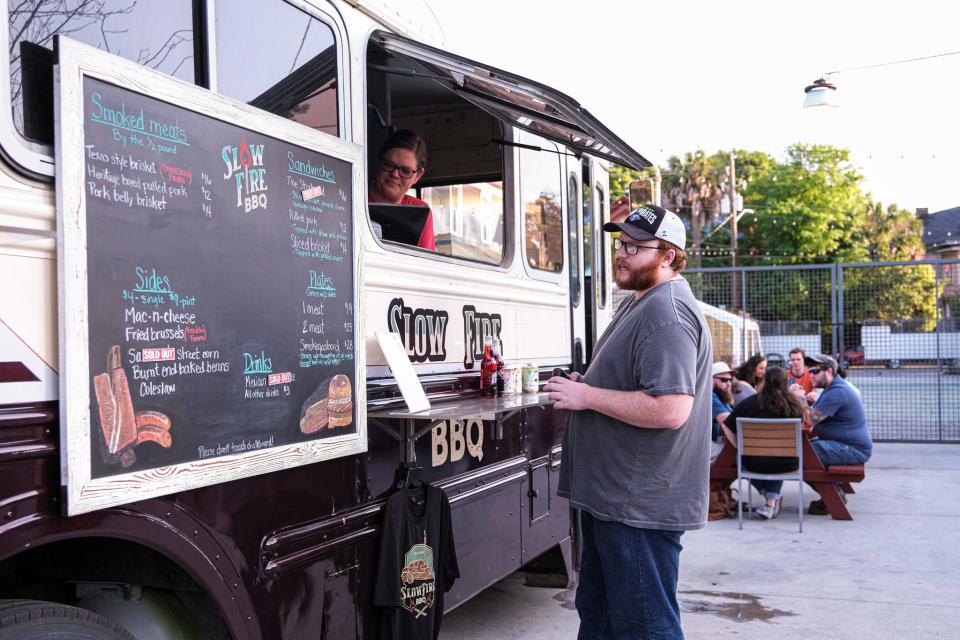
531,378
511,380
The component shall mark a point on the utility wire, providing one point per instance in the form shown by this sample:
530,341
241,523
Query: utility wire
892,62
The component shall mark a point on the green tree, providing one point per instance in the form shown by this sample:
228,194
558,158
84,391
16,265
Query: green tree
810,208
807,207
691,188
695,184
885,234
888,293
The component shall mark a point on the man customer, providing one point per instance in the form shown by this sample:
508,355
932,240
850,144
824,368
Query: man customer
840,419
635,455
798,370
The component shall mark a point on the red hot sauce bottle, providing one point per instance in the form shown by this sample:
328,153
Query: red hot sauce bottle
488,370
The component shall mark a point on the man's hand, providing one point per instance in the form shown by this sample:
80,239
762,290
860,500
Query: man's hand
568,393
635,408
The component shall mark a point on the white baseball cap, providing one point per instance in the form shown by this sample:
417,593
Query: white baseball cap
651,222
720,368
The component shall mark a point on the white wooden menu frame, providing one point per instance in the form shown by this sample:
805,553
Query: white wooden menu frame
77,61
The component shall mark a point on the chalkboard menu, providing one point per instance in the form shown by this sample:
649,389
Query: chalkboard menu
220,284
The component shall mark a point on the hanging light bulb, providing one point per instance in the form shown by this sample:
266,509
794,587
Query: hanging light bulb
820,94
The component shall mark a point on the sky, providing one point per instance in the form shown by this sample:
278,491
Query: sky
671,77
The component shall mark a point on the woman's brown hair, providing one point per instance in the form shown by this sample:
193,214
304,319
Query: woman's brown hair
748,370
406,139
774,397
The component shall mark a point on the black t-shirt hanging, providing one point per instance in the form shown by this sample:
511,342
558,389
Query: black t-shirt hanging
416,565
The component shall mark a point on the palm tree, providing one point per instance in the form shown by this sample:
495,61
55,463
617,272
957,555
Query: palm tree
692,185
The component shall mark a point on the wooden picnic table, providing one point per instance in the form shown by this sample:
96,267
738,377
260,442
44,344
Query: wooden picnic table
823,479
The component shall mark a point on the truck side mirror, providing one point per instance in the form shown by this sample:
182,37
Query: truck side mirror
641,192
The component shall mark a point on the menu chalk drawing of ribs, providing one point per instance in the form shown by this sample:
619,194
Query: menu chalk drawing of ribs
123,429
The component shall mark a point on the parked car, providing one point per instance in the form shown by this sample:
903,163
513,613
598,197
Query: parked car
776,360
854,357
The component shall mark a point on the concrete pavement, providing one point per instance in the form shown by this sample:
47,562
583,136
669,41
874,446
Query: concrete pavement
894,572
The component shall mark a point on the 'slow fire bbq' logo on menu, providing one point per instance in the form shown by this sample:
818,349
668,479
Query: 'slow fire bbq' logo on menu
245,166
418,579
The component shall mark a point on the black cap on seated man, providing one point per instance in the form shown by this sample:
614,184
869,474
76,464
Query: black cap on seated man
821,361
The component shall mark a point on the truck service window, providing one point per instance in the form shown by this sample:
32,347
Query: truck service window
541,182
463,181
468,219
287,65
158,35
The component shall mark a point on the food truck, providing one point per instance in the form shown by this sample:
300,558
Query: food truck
198,425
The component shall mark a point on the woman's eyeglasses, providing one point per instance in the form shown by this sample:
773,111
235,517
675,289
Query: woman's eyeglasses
405,172
630,248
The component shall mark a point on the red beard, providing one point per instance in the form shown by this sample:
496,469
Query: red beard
638,278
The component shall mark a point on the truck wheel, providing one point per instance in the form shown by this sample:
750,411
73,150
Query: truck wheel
38,620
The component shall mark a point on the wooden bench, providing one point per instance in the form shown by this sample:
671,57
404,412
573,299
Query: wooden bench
824,480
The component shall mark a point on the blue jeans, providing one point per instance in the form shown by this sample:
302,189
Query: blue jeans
769,488
628,582
833,452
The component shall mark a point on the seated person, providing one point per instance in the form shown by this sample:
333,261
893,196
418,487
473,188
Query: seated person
798,371
402,160
752,371
840,419
741,391
774,400
722,397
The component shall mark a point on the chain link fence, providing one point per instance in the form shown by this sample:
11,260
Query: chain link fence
893,326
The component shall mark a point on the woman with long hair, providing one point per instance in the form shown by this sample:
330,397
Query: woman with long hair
400,165
773,400
752,371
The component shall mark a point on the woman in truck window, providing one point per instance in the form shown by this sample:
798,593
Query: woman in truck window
402,160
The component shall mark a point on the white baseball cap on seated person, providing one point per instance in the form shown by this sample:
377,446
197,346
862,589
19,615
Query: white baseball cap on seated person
651,222
719,368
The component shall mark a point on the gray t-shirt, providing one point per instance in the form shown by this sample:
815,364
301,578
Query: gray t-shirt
742,391
646,478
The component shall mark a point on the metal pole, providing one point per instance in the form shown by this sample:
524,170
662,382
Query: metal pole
833,308
839,316
743,313
936,296
656,186
733,225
